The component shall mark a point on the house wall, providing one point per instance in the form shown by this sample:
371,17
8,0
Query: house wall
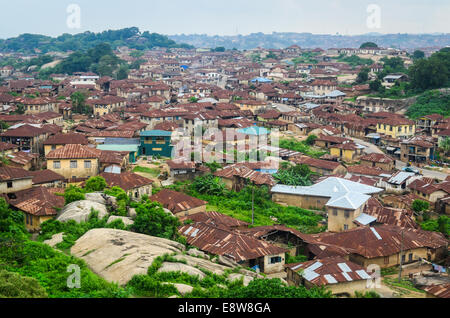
137,193
17,185
198,209
305,202
398,131
48,148
336,223
384,166
79,172
33,223
274,268
394,260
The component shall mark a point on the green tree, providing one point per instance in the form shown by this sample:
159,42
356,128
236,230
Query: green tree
209,185
299,175
79,103
152,220
13,285
95,184
363,75
311,139
368,45
72,194
376,86
445,145
418,54
420,206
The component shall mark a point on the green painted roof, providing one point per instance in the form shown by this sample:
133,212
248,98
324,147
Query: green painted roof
156,133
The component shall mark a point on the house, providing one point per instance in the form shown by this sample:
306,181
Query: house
396,127
437,291
323,167
26,137
418,149
47,178
178,203
336,274
74,161
428,190
347,151
342,199
387,245
378,160
60,140
391,216
156,143
237,176
24,160
426,123
133,184
106,104
256,106
39,204
397,182
181,169
14,180
245,250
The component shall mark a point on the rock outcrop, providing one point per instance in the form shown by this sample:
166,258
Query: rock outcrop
118,255
80,211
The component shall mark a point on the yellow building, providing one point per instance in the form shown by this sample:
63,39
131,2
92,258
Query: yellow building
254,105
396,127
347,152
74,161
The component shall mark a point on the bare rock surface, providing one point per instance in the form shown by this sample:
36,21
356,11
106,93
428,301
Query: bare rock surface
235,276
180,267
57,238
95,197
118,255
79,211
202,263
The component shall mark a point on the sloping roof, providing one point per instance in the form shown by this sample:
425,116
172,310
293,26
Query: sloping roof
316,163
176,201
242,171
330,270
63,139
38,201
125,180
391,216
342,193
8,173
383,240
70,151
215,218
219,241
45,176
440,291
156,133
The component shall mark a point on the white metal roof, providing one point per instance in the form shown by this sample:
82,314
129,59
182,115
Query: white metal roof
330,279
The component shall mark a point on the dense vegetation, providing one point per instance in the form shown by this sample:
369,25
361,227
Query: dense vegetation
154,284
298,175
239,204
301,146
130,37
47,266
431,102
355,60
442,224
100,59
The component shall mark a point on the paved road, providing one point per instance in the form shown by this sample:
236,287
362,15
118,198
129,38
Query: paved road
371,148
284,108
425,172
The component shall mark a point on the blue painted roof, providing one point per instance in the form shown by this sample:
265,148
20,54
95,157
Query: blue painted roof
254,130
121,141
261,80
156,133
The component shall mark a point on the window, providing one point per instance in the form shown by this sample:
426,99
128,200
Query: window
87,164
347,214
274,260
335,212
386,260
9,184
410,257
56,164
73,164
53,147
345,227
400,129
403,258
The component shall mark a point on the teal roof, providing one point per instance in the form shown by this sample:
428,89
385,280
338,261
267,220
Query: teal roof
157,133
129,148
254,130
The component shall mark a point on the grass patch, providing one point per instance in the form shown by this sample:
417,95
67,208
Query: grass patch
404,283
151,171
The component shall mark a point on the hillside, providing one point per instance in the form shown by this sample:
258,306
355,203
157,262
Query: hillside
131,37
278,40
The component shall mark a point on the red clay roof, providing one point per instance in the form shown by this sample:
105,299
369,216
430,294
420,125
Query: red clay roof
74,152
125,180
176,201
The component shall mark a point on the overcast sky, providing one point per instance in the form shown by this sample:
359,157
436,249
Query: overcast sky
226,17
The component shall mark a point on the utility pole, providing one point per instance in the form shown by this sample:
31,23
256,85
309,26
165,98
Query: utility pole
253,204
401,259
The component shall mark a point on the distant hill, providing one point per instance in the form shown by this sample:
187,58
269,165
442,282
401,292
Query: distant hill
307,40
131,37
